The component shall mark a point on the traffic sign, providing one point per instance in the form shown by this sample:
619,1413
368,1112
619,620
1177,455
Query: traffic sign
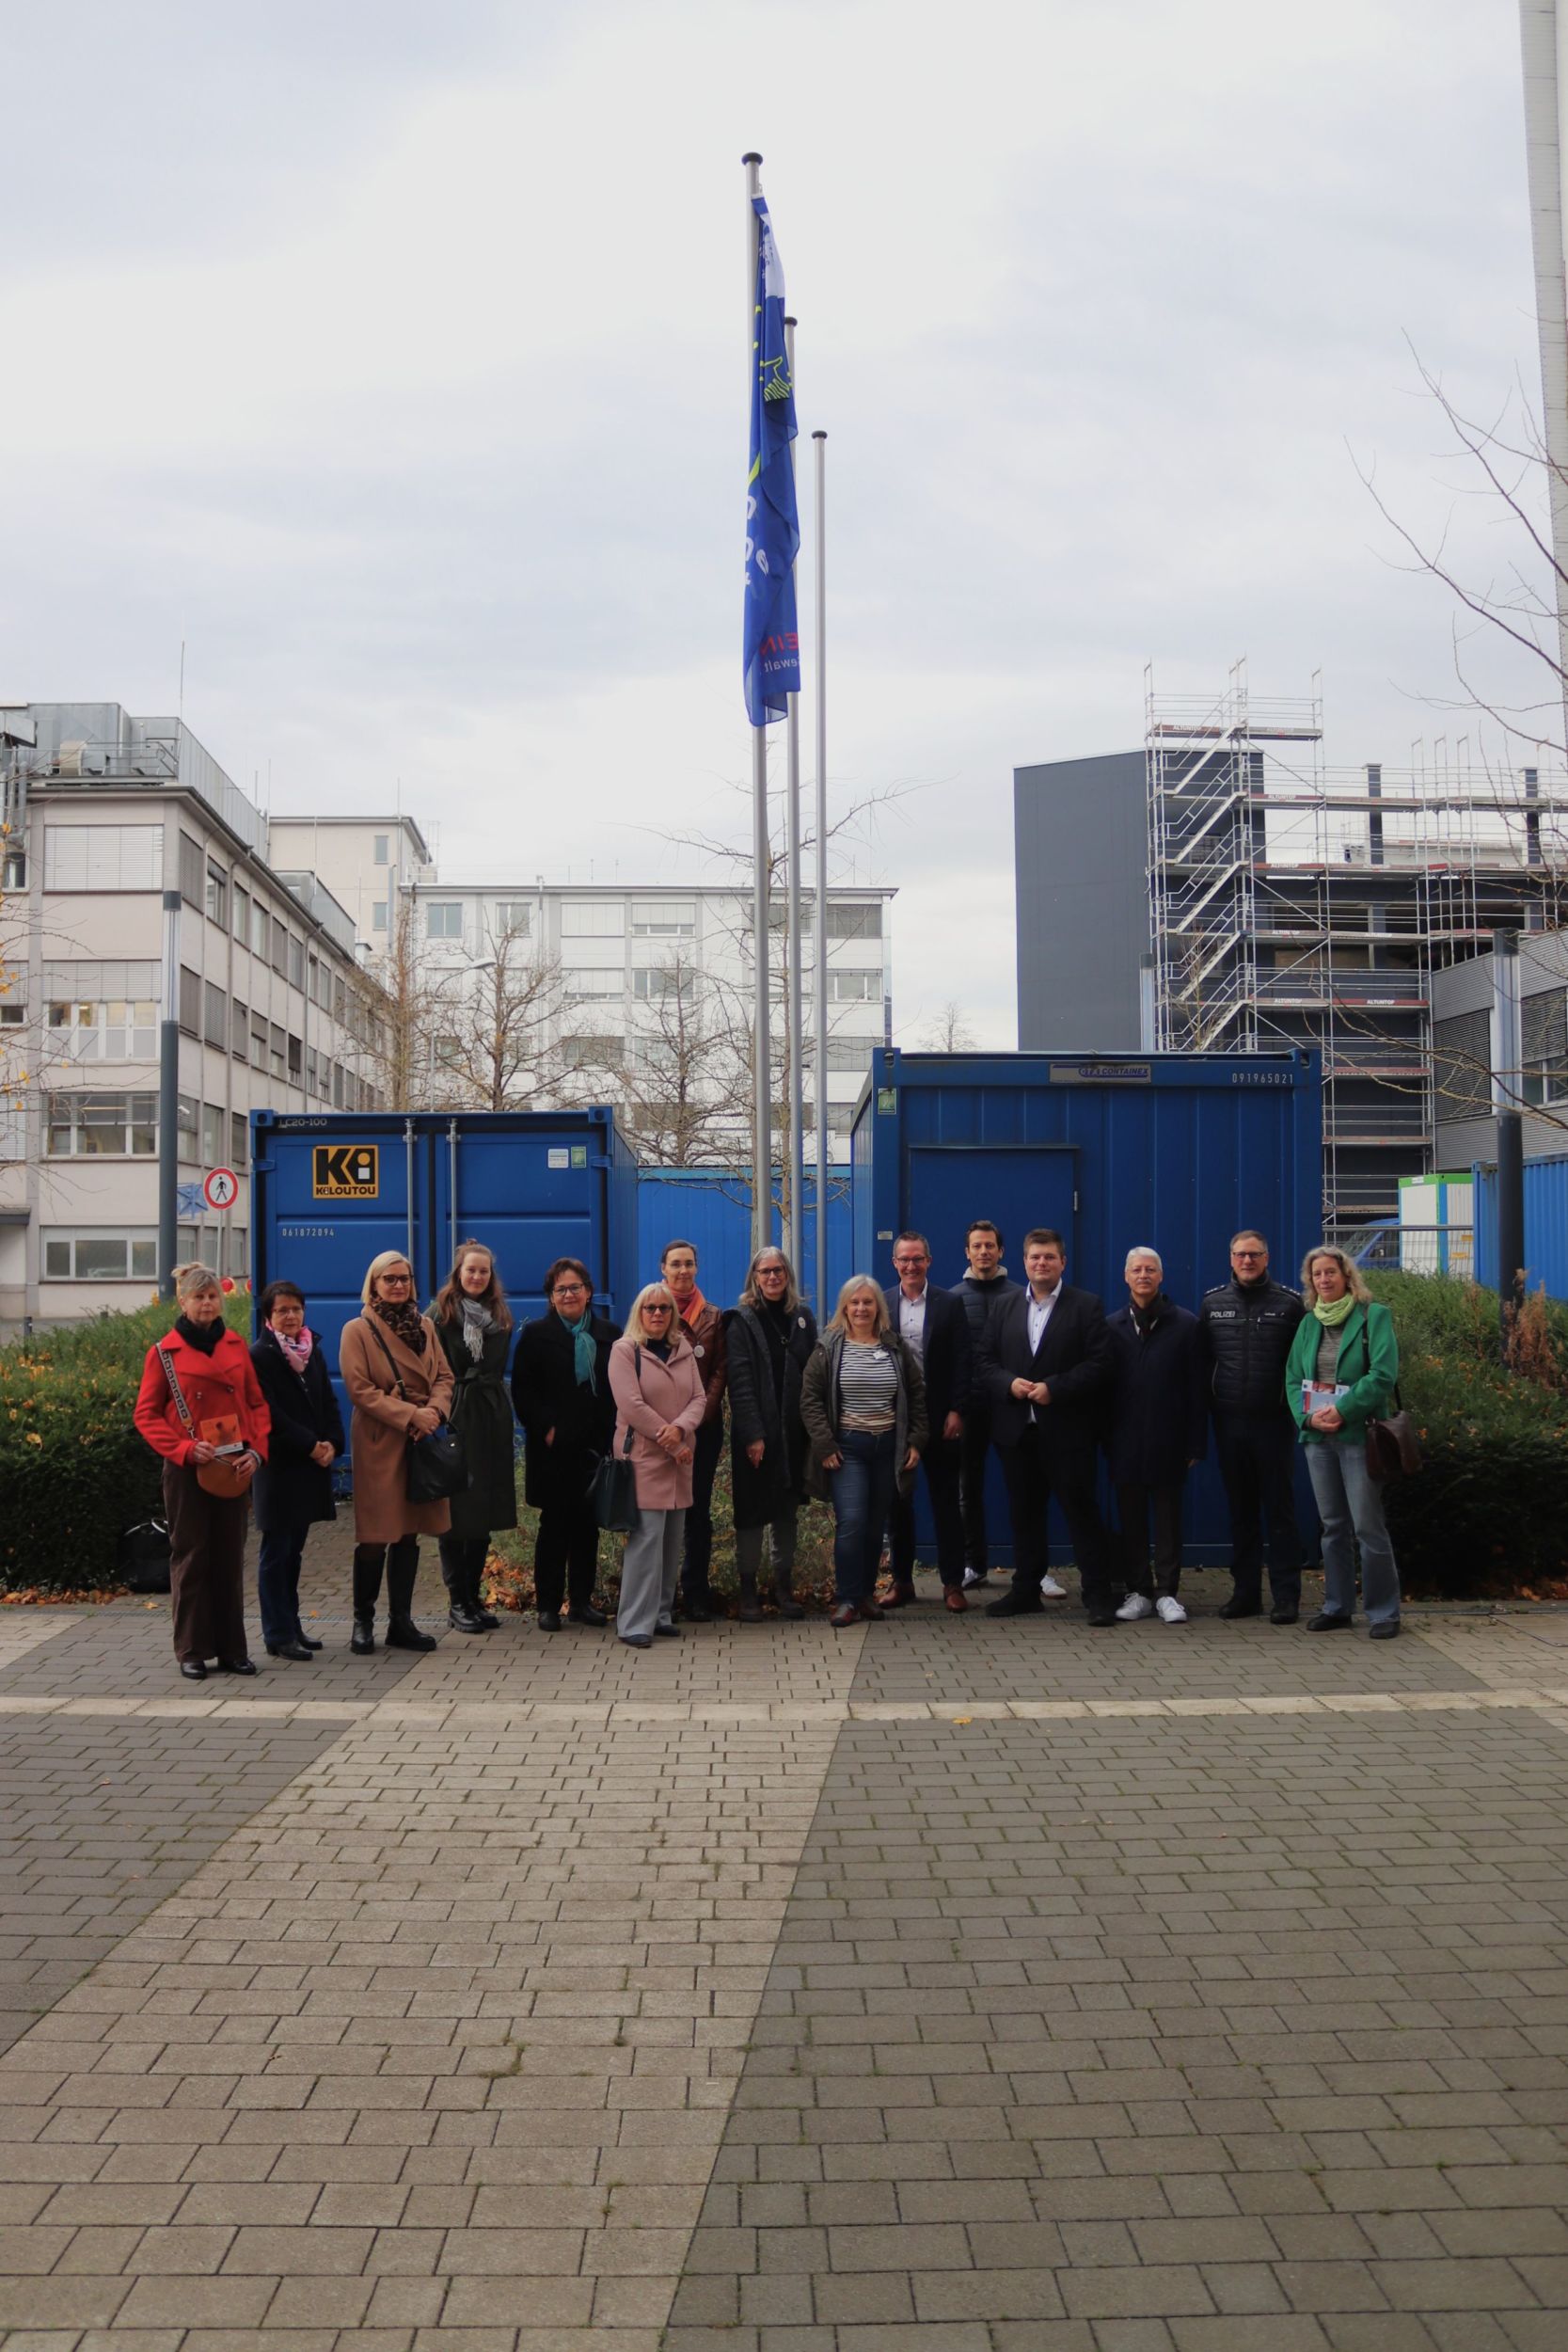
345,1171
220,1188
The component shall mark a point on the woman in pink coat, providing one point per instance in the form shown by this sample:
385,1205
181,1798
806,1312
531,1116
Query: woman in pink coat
657,1385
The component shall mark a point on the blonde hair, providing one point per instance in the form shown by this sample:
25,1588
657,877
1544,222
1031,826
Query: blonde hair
190,1280
751,1296
859,1283
378,1267
1355,1281
637,1331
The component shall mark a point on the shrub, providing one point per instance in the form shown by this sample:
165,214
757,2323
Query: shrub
73,1472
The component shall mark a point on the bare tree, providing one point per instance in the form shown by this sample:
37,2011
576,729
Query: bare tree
497,1042
948,1031
408,1016
685,1080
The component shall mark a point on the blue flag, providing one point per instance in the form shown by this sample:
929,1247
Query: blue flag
770,641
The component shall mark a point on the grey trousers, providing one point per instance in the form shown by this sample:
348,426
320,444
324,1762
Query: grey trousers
649,1571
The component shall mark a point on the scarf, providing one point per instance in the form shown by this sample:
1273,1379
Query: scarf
203,1337
404,1320
296,1350
1145,1318
1332,1313
584,1353
692,1309
478,1322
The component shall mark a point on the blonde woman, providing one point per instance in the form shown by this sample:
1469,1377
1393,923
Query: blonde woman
400,1384
1344,1363
657,1382
864,1404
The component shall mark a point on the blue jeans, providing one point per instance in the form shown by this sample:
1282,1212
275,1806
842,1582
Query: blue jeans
1349,1502
861,1492
278,1583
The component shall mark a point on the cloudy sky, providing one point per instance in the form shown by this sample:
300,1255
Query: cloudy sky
393,357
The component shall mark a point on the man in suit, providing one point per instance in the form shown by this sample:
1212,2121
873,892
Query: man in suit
933,1324
1046,1365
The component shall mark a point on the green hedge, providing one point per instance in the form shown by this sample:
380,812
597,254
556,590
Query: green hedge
73,1472
1488,1515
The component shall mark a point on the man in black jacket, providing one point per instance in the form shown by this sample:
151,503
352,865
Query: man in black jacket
1244,1333
1158,1429
980,1293
934,1327
1046,1364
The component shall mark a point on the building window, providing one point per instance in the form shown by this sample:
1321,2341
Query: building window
239,1251
189,1120
323,1078
214,1133
190,1001
258,1042
443,918
242,915
592,918
192,872
1544,1022
852,988
216,1003
595,1050
513,918
852,922
13,870
296,962
101,1126
239,1029
110,1028
217,895
280,1066
383,848
843,1054
445,1052
296,1063
12,1015
239,1139
280,950
1462,1065
657,918
261,931
378,915
98,1253
650,983
581,982
337,1089
103,857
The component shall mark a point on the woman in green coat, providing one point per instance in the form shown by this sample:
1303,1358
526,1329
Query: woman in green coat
1343,1366
473,1323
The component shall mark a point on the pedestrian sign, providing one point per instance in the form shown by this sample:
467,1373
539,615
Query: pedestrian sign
220,1188
345,1171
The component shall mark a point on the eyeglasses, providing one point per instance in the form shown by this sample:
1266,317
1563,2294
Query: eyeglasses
399,1278
1249,1253
569,1290
658,1310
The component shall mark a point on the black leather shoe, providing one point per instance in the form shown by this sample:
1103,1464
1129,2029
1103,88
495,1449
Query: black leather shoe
464,1620
403,1633
1013,1605
588,1615
296,1651
697,1612
668,1632
1101,1617
363,1640
549,1620
236,1666
307,1641
1387,1631
638,1641
193,1670
488,1621
1234,1608
786,1604
1284,1616
1327,1621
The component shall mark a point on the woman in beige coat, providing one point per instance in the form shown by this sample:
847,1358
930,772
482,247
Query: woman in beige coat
656,1383
391,1342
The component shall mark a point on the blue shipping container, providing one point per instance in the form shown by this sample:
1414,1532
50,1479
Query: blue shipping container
1545,1224
1175,1150
329,1193
711,1208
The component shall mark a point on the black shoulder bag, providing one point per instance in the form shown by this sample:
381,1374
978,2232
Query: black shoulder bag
613,1485
436,1467
1393,1449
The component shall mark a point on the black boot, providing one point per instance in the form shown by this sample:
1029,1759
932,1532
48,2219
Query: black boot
367,1561
488,1620
462,1614
750,1608
402,1566
783,1597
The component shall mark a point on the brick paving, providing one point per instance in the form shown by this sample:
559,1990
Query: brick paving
949,1986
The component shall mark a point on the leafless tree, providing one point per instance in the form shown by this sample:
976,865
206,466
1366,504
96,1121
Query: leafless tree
408,1017
948,1031
686,1081
498,1042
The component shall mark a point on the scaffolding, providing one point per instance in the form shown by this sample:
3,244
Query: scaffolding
1291,903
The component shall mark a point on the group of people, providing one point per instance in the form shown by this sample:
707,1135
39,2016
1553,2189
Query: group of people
907,1381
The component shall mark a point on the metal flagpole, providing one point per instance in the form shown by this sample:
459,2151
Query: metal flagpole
762,1130
794,1026
819,450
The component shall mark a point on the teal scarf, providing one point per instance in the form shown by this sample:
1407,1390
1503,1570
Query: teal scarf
584,1354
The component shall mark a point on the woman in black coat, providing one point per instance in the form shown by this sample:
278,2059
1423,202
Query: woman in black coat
473,1323
560,1394
768,1337
293,1486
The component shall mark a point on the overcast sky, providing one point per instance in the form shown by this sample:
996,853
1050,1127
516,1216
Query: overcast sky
393,357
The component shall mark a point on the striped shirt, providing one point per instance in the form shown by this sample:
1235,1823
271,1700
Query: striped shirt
868,1386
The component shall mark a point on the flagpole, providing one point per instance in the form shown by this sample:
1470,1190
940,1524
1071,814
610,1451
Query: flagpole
794,1026
761,1132
819,451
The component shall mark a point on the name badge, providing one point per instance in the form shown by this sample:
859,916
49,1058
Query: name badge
878,1355
698,1349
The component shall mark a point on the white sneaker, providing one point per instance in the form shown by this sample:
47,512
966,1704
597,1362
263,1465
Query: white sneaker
1051,1590
974,1577
1136,1605
1170,1608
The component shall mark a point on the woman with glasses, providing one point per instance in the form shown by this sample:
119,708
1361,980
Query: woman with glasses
399,1383
864,1404
769,1337
560,1395
658,1384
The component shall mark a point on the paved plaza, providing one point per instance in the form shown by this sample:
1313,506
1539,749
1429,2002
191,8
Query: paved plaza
942,1986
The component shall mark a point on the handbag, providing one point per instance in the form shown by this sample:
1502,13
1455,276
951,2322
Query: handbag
229,1475
142,1557
1393,1449
437,1467
613,1485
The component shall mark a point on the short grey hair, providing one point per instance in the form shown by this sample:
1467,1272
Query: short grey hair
1143,1250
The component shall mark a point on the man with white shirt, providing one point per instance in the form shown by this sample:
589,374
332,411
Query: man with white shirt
933,1326
1045,1364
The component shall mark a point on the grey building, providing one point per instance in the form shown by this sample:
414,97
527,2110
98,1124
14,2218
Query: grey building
1463,1002
1080,858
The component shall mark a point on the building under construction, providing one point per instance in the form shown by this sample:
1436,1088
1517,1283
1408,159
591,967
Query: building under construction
1278,902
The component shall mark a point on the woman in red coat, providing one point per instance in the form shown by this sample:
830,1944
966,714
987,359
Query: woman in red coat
206,1532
